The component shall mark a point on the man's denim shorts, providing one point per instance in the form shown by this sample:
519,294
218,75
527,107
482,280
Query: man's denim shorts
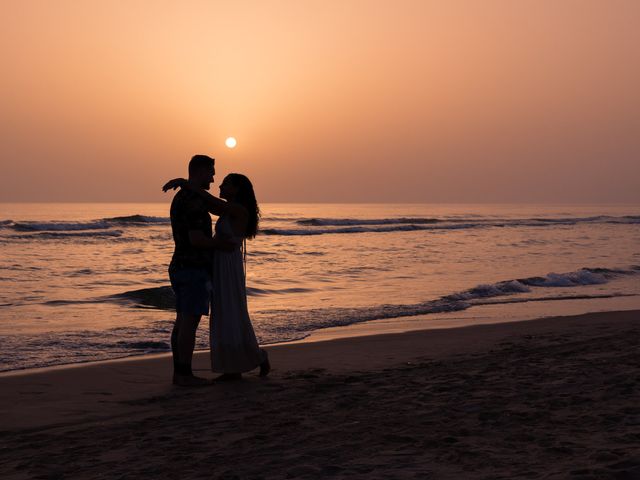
192,287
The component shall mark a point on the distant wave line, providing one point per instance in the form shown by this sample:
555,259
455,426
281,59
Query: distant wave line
338,222
342,226
72,234
70,226
314,226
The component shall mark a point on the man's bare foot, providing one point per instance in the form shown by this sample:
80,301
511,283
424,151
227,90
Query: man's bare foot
228,377
190,381
265,366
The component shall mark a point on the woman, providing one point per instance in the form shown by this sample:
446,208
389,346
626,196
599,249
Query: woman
234,348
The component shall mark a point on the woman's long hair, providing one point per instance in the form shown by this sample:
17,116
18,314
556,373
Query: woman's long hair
247,198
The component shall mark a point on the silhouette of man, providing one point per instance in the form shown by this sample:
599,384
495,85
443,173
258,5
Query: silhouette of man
190,267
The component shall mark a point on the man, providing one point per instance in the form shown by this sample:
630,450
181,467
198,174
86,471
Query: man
190,267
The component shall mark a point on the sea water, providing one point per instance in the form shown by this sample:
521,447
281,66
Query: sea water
83,282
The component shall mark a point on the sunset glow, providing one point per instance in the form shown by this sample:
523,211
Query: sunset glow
487,97
231,142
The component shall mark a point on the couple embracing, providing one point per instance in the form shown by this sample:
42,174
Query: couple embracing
209,269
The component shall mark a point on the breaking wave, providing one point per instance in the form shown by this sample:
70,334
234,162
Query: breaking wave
495,293
163,297
24,351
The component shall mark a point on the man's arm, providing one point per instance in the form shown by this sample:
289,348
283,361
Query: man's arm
198,239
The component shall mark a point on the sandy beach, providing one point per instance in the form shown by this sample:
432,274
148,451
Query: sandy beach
548,398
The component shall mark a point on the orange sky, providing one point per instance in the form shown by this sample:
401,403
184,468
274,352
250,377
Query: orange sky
331,101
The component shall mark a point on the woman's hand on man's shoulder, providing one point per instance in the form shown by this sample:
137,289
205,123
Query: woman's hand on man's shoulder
175,183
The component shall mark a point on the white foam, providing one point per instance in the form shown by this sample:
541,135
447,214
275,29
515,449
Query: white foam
570,279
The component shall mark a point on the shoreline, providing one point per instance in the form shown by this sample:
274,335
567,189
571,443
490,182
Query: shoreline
473,316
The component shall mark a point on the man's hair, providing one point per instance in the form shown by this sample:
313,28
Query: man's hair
199,162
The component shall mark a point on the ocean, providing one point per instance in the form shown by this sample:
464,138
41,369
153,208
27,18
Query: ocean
85,282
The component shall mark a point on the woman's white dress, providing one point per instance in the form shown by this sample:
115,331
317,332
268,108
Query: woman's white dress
234,348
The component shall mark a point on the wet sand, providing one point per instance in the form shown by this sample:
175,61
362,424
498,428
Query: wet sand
549,398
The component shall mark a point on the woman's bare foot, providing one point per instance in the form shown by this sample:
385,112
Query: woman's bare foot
265,366
228,377
190,381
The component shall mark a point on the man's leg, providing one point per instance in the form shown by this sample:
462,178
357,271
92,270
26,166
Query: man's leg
174,342
192,295
186,340
184,334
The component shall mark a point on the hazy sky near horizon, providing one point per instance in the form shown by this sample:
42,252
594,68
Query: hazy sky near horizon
330,101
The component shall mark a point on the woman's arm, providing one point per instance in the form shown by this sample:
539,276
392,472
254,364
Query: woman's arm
198,239
215,205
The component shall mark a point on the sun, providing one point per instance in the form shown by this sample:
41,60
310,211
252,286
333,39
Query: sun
230,142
